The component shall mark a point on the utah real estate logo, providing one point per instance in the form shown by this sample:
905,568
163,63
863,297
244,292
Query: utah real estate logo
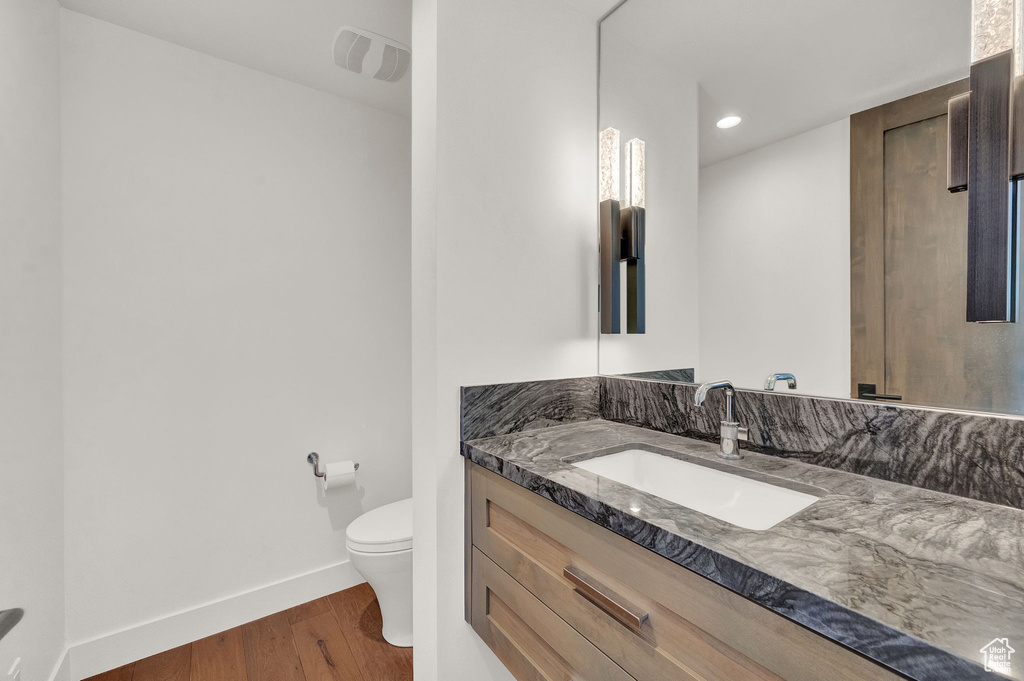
997,655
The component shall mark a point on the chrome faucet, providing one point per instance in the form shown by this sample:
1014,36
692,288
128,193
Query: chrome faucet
790,379
731,431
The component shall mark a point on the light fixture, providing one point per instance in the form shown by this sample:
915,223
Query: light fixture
635,175
986,158
729,122
610,164
610,231
622,233
633,220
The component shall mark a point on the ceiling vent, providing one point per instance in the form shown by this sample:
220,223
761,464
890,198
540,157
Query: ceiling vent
355,46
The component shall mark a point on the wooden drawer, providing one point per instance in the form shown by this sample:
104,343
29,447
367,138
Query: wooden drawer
696,630
530,640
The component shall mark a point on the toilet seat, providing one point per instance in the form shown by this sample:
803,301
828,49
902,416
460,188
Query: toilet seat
383,530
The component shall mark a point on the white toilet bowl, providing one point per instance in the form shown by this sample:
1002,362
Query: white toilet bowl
380,545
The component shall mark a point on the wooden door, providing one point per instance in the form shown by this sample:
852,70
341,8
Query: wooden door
908,254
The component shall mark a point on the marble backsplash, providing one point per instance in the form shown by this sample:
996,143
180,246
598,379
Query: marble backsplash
489,410
978,456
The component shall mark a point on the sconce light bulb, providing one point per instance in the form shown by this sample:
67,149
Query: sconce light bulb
636,180
729,122
609,164
992,27
997,26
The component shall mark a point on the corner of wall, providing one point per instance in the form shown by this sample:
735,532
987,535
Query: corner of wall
62,672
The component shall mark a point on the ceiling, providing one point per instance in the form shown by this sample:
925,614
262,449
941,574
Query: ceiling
292,39
788,66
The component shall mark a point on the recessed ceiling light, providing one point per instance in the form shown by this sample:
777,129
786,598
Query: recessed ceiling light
729,122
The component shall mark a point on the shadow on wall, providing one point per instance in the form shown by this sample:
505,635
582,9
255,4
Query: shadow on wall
343,504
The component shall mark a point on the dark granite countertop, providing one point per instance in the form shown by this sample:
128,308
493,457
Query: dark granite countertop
917,580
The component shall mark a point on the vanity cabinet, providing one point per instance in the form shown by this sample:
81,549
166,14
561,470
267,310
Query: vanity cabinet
531,640
559,597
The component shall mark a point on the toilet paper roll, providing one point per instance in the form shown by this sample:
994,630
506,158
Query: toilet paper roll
339,474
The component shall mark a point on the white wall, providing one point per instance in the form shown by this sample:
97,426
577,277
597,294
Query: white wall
426,426
775,264
505,214
31,457
646,96
236,294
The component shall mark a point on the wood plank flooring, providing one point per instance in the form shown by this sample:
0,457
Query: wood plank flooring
335,638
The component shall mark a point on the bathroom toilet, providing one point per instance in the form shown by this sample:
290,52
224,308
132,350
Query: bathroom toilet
380,545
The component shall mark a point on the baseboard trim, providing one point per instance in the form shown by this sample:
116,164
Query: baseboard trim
114,650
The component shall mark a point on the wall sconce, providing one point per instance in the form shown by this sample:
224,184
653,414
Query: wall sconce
986,158
622,234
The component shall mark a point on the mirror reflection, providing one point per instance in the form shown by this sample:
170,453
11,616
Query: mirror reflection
798,217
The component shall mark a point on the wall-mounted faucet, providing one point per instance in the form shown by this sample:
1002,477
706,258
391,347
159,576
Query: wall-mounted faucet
731,431
790,379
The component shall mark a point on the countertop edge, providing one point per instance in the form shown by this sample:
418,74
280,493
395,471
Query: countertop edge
881,643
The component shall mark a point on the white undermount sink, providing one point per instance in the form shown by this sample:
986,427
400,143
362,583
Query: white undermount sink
750,504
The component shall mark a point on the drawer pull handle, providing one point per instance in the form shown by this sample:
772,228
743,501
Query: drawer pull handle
605,598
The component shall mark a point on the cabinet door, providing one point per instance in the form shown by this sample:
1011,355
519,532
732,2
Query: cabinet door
530,640
694,629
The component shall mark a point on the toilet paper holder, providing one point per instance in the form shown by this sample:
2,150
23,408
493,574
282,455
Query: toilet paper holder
314,459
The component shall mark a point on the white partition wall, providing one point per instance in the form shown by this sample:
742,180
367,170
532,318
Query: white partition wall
505,251
31,458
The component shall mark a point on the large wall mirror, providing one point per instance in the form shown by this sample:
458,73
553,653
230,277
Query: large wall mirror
817,236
